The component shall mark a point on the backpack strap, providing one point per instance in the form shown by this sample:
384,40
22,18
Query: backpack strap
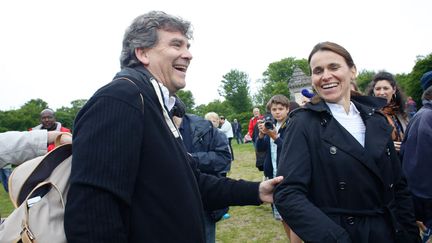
130,80
26,234
58,139
42,172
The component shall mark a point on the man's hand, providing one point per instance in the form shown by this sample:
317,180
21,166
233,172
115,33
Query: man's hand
65,137
266,189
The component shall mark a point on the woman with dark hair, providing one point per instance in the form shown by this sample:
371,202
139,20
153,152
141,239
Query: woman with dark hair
342,176
384,85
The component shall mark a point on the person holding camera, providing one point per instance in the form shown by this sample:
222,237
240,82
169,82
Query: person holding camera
272,129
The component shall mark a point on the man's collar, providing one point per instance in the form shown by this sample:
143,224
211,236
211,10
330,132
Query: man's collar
169,101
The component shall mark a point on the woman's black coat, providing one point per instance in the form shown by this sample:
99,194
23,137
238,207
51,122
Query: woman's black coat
336,190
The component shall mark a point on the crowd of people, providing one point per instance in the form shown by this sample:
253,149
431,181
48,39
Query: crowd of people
339,167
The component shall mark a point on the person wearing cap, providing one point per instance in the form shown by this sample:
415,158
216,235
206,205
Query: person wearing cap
426,80
416,154
209,147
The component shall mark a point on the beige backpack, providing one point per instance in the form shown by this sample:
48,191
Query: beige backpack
38,190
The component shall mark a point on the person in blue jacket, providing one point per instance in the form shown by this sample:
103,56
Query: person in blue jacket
416,154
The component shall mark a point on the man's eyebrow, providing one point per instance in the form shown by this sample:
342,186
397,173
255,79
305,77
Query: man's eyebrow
181,41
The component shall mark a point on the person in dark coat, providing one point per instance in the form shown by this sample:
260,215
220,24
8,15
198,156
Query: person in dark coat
416,154
343,180
237,130
131,178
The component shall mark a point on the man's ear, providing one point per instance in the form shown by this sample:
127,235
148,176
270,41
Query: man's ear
141,55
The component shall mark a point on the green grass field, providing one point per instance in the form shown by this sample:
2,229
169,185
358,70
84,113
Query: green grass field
6,206
247,223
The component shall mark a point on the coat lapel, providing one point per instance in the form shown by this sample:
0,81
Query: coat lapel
376,128
343,140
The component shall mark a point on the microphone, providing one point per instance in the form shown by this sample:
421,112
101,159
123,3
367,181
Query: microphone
307,94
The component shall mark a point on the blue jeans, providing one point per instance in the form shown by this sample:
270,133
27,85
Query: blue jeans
239,138
4,176
210,228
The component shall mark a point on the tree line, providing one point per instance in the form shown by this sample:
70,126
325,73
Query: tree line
28,115
237,101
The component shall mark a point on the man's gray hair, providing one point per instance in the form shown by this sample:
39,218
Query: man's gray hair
142,33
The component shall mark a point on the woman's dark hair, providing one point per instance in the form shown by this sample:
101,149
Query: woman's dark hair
333,47
398,98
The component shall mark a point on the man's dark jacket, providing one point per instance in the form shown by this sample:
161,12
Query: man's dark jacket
131,178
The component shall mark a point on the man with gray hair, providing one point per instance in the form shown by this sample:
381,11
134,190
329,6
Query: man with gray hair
132,179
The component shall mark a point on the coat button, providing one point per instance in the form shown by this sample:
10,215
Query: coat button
350,220
391,186
323,122
342,185
333,150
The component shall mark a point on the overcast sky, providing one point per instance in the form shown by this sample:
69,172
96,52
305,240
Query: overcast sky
61,51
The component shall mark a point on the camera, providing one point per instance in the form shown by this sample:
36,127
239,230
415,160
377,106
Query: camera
268,121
